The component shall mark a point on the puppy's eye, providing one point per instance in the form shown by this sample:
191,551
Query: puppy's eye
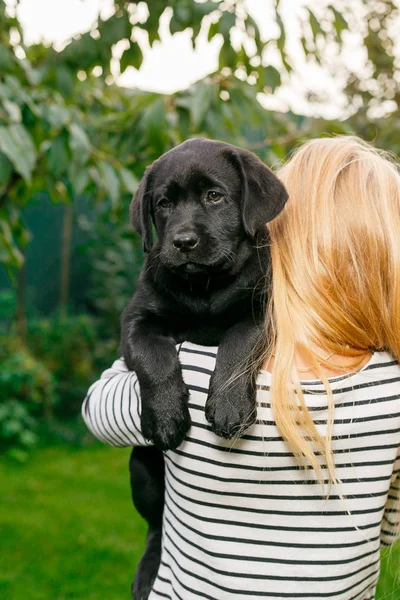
214,196
164,203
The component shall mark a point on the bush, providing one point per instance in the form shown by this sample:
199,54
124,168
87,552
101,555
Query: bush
17,430
115,255
68,347
7,309
44,382
25,380
27,395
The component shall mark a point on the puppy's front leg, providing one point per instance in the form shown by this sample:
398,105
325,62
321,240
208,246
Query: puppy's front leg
151,352
231,404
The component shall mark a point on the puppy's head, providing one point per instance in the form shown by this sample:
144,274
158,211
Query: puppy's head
205,199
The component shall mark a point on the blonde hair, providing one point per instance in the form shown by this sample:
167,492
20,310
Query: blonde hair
335,276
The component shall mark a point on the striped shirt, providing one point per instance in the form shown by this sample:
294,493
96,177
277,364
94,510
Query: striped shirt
241,519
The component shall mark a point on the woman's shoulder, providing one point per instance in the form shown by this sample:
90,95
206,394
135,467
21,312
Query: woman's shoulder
382,365
197,358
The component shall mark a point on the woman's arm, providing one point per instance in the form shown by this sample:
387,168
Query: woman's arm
390,528
111,409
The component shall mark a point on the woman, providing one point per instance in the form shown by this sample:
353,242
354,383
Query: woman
299,506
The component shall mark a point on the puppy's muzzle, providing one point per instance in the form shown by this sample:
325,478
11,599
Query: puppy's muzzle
186,241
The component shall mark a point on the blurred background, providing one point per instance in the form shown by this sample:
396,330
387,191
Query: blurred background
91,92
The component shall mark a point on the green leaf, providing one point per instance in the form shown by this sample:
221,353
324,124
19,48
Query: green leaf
60,193
129,181
201,100
84,53
201,9
81,181
153,21
9,251
304,44
271,78
213,30
78,143
255,31
28,438
15,91
110,181
13,110
57,159
57,115
154,125
17,144
132,57
183,13
340,24
116,28
11,428
6,58
175,26
281,43
95,176
226,22
65,80
227,56
184,122
315,26
6,169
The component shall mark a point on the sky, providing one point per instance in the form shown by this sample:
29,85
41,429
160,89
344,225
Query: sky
173,64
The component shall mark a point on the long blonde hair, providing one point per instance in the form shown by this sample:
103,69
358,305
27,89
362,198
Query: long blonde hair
335,276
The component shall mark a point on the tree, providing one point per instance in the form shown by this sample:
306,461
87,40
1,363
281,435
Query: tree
68,129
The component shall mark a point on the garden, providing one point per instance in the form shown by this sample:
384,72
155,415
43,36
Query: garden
73,147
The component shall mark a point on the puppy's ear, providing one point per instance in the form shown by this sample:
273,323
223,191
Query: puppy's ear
263,195
141,211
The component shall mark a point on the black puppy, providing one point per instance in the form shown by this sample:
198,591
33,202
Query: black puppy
202,281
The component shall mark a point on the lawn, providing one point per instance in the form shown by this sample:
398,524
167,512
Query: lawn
68,529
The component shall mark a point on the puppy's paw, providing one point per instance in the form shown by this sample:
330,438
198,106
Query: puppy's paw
231,411
165,416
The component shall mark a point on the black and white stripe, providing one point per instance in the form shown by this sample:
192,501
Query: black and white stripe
241,519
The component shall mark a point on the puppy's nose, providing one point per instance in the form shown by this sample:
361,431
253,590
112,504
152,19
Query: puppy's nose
185,242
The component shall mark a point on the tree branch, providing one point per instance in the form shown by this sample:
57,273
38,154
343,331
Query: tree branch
14,179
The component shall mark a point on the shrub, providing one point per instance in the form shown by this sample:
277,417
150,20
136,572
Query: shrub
25,380
115,255
68,348
27,395
17,430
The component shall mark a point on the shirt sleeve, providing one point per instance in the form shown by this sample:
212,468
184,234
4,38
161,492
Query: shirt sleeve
390,529
112,409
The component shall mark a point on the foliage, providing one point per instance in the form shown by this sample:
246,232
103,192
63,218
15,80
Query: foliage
42,388
67,346
115,256
67,128
25,379
7,309
27,395
17,430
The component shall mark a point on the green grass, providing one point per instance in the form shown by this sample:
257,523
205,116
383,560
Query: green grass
68,529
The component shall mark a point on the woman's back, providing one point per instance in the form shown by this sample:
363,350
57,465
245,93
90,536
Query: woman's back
241,519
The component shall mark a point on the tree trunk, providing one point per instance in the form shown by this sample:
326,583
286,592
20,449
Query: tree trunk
21,301
65,258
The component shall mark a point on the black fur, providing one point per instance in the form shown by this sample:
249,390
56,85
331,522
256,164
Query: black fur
202,281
